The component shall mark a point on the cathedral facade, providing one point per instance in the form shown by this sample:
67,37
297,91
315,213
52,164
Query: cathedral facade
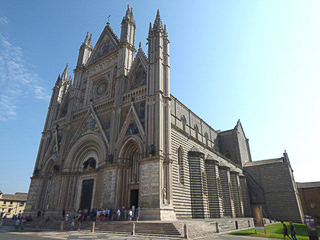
114,136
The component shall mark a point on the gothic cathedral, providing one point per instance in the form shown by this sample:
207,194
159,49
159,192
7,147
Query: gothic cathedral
114,136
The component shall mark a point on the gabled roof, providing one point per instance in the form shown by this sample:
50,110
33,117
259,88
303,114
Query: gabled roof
107,44
139,58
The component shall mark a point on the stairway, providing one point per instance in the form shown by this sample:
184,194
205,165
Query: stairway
157,228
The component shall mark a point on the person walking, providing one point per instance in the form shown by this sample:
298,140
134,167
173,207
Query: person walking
293,231
285,231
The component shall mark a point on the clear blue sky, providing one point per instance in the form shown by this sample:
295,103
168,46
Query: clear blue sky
257,61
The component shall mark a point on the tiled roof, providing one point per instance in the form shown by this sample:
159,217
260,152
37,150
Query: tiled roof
308,185
17,197
263,162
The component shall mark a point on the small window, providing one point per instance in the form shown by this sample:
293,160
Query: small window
184,122
196,130
204,183
4,202
180,165
207,139
11,202
89,164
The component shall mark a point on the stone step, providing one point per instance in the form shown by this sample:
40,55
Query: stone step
140,227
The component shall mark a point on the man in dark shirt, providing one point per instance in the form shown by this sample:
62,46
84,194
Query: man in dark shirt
293,231
285,231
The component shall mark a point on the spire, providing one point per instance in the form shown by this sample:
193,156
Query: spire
128,27
129,15
165,31
128,12
150,29
157,25
58,80
65,74
86,40
89,42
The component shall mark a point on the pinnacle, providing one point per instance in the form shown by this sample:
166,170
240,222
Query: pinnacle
157,25
86,39
129,14
65,73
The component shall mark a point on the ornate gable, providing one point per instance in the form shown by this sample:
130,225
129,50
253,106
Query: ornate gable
138,75
106,45
90,124
132,124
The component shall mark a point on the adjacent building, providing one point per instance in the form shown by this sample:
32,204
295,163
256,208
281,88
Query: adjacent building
12,204
310,198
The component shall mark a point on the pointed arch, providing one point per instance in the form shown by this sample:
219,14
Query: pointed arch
196,131
206,136
89,145
184,122
48,166
130,153
128,146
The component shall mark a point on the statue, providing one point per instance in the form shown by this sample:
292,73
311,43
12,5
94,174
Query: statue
150,150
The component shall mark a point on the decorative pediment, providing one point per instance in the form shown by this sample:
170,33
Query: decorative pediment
132,125
106,45
91,123
137,76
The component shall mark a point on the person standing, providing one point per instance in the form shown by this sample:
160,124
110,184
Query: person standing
138,213
21,223
285,231
130,215
293,231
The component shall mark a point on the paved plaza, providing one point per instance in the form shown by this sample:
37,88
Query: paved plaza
10,233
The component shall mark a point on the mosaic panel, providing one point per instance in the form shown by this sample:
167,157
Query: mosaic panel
132,128
123,116
105,47
138,78
140,108
90,126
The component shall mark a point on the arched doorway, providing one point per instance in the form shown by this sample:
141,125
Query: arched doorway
87,155
87,186
134,171
130,154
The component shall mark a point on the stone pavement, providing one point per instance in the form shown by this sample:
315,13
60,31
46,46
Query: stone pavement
10,233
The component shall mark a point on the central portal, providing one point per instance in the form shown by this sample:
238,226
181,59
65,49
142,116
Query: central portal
86,194
134,198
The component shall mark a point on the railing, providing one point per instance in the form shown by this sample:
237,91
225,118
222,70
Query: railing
135,94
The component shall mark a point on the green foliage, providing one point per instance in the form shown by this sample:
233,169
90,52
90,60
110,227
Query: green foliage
275,231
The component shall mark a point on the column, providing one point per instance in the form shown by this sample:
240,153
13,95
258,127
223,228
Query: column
227,193
245,196
214,195
238,204
198,185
